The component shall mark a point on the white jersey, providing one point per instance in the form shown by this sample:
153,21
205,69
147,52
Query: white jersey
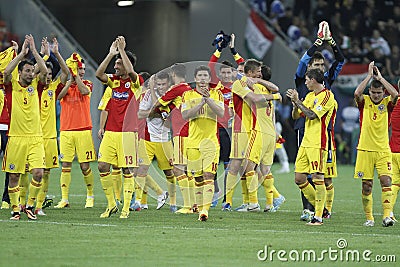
157,128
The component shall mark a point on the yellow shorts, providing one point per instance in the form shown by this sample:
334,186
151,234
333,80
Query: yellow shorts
262,149
119,149
396,168
179,150
331,170
239,145
21,151
311,160
51,153
367,161
201,160
162,151
79,143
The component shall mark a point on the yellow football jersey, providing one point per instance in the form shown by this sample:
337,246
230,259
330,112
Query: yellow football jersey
374,120
25,112
315,133
265,114
48,108
204,126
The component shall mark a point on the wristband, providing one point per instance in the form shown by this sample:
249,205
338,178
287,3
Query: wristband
46,57
275,97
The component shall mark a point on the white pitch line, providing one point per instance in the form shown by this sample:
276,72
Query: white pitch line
63,223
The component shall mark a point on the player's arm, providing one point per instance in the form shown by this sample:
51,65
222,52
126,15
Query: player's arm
83,89
39,60
390,89
64,91
267,84
236,56
103,120
261,99
63,65
100,72
7,74
217,109
358,93
190,113
121,44
337,65
294,97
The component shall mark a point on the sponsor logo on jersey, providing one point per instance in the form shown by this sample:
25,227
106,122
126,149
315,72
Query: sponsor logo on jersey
120,95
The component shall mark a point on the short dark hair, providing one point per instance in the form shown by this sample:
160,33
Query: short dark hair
200,68
163,75
179,70
266,72
225,65
317,55
25,62
251,65
131,56
145,75
316,74
377,84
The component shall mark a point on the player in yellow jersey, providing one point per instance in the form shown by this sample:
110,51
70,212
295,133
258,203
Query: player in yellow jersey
244,122
25,144
317,108
48,97
201,107
373,151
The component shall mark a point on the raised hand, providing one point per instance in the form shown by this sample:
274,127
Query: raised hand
55,46
45,49
113,48
15,46
232,42
121,43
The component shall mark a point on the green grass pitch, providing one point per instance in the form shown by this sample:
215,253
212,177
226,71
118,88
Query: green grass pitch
76,236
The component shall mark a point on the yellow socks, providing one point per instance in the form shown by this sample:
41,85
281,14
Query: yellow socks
152,184
144,195
106,183
320,196
395,191
230,187
43,189
367,202
183,183
89,180
387,205
308,191
268,184
65,181
330,194
23,188
13,193
275,192
252,185
117,183
171,185
208,193
245,190
34,188
140,184
129,186
199,189
192,192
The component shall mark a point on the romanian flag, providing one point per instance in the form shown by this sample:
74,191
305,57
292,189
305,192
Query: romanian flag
258,37
74,62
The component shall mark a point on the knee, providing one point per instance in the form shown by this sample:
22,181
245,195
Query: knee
103,167
366,187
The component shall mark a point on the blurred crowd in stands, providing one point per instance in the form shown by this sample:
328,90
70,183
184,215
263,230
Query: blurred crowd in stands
6,36
365,29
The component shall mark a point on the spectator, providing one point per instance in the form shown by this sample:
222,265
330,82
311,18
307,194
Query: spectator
393,63
377,41
6,37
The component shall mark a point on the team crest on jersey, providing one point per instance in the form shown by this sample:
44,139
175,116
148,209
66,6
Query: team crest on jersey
120,95
360,174
318,108
140,160
99,155
381,107
50,93
315,101
12,166
30,89
127,85
227,95
61,156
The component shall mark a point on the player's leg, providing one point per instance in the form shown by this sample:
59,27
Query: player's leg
384,170
67,154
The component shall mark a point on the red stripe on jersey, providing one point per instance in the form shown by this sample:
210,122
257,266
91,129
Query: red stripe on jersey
238,107
324,129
